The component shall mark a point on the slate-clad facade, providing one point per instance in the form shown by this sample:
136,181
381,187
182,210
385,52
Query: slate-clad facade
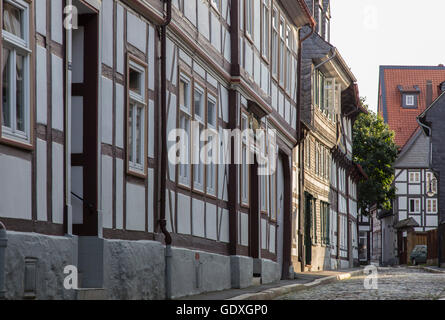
81,143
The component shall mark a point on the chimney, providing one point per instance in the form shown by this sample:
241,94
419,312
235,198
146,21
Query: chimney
429,93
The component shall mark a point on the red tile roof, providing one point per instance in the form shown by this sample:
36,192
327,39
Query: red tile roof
404,121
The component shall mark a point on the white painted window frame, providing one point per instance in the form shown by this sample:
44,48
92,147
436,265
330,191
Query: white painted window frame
212,168
138,100
185,179
430,204
410,100
198,166
417,203
22,46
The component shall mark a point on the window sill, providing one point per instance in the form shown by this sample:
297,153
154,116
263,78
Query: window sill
19,144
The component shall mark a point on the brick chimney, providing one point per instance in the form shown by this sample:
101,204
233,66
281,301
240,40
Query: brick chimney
429,93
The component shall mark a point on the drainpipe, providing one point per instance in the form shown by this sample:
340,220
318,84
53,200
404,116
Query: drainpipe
3,245
162,29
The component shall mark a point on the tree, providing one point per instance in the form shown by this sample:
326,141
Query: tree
375,150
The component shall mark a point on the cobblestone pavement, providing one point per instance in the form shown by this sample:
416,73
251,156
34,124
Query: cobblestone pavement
393,284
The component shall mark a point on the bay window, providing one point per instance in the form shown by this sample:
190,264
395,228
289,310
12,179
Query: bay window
16,113
137,118
282,52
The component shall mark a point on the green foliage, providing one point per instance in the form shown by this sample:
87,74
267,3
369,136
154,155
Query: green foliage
376,151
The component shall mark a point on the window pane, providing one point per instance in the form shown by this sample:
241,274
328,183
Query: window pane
184,94
12,20
139,132
130,134
211,113
6,107
20,94
135,82
199,105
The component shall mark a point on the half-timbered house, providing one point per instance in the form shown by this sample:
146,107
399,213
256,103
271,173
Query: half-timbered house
92,90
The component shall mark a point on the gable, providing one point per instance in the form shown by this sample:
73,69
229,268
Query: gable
416,152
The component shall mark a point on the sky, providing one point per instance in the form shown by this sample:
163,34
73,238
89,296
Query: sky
370,33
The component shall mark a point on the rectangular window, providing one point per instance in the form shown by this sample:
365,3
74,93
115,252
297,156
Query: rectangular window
16,113
137,117
212,155
215,4
275,43
282,53
197,131
431,183
244,165
288,58
414,177
410,100
414,205
431,206
184,125
266,29
249,17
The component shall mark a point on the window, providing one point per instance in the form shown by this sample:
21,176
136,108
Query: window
184,125
414,177
215,4
249,17
197,131
266,29
264,178
409,100
320,19
212,139
282,52
414,205
244,158
137,117
325,222
289,58
431,183
431,206
16,113
275,43
272,176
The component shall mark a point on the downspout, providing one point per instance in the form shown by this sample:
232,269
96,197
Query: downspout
301,151
430,162
3,245
162,30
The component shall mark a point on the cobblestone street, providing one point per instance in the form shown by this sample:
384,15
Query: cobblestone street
393,284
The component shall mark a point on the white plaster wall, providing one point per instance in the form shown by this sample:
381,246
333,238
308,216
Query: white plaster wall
170,211
223,216
244,229
120,115
56,21
203,19
184,223
57,93
77,125
198,214
136,31
211,222
107,111
135,207
402,203
107,192
57,183
119,194
120,63
107,32
41,16
41,79
42,207
150,195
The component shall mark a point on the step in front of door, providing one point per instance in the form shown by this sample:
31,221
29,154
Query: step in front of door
91,294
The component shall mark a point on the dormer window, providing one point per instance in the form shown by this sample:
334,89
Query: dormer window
409,100
410,97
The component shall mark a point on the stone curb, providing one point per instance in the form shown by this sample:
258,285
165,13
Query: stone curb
273,293
432,270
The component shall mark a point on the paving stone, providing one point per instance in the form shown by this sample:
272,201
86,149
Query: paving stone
393,284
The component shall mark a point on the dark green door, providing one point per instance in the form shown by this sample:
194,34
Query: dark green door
308,228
